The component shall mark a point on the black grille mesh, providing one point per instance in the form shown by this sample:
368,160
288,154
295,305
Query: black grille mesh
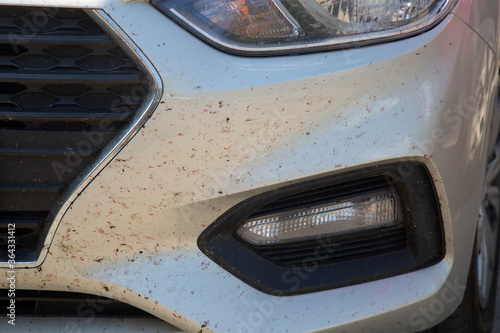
66,89
337,250
41,303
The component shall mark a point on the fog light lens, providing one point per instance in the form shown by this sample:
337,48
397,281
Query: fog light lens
356,213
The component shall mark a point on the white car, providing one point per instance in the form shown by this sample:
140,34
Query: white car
249,165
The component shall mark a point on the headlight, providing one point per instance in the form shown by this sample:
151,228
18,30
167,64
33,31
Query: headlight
287,26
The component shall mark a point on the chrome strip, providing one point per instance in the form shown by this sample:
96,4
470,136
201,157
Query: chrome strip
140,117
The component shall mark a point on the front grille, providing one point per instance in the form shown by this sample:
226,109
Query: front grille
66,89
41,303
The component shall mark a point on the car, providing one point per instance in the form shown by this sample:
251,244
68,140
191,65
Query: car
249,165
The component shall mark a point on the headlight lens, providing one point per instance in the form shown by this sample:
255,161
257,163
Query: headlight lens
279,26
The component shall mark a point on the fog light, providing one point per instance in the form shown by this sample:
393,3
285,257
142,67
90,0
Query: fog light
330,232
354,214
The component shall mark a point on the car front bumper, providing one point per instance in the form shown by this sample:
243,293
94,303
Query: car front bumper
228,128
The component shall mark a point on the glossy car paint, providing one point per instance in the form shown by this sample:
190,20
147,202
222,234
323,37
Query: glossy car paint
230,127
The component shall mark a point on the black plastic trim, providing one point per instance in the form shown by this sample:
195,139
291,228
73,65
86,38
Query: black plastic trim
421,225
46,303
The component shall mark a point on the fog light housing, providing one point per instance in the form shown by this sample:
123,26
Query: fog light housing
331,232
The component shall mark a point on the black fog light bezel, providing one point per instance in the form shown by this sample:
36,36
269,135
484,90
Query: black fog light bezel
333,261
